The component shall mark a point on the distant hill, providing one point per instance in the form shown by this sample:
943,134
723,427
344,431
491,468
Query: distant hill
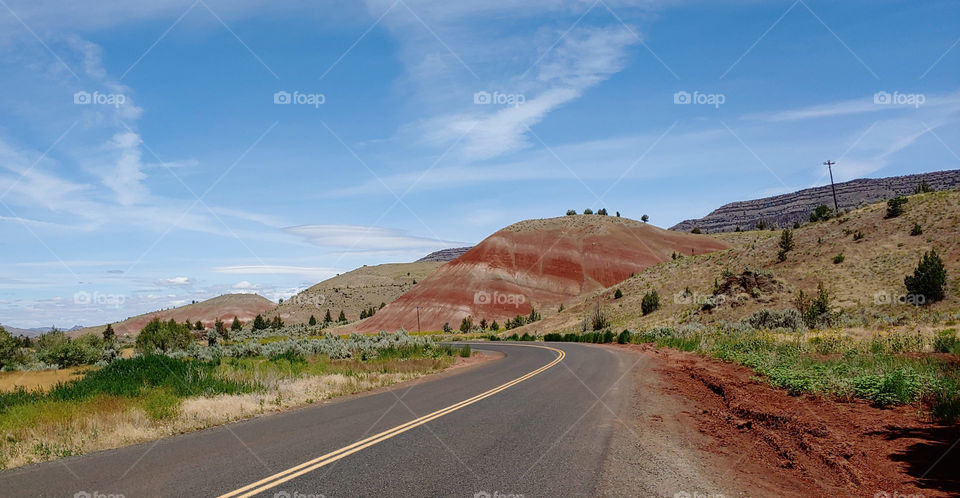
35,331
445,255
225,307
540,263
355,291
782,211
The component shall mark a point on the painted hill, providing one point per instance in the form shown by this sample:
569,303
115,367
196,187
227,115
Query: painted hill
867,281
782,211
356,290
540,263
225,307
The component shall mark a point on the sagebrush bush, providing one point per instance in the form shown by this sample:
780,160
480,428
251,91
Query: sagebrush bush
773,319
650,302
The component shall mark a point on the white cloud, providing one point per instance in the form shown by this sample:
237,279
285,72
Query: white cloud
360,238
175,282
305,271
244,285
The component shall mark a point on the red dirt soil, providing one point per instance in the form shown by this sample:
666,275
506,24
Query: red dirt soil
537,263
775,443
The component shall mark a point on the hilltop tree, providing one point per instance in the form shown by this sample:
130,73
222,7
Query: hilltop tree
602,211
618,214
312,321
588,211
236,326
108,333
929,279
643,218
571,212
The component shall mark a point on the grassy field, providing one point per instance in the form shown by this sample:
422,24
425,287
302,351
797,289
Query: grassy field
147,397
885,369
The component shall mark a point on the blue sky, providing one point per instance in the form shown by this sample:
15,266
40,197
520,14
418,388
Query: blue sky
145,161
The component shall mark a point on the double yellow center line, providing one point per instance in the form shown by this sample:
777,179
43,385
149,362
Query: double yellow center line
294,472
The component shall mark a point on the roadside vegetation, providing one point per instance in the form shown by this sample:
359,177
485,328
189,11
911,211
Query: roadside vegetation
177,382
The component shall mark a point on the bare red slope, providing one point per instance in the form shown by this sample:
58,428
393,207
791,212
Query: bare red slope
537,263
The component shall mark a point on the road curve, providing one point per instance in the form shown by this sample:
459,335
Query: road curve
524,424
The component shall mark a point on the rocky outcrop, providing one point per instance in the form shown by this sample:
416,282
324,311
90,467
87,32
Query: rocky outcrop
784,210
535,263
445,255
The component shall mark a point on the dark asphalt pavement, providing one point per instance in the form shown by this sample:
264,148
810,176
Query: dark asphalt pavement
545,436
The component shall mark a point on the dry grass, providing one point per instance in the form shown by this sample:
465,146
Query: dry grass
59,429
42,379
875,264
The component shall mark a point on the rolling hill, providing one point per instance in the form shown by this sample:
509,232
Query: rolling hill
225,307
535,263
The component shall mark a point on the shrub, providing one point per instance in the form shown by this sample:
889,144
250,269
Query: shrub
163,336
624,337
650,302
108,333
465,351
494,326
857,235
929,279
895,206
236,326
10,353
888,388
446,328
466,324
696,230
821,213
786,240
617,294
571,212
774,319
643,218
916,230
816,311
588,211
599,319
312,322
838,259
602,211
946,341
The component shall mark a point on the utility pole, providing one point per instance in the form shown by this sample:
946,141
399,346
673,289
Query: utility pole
836,207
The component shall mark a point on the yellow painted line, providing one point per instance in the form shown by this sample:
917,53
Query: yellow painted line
309,466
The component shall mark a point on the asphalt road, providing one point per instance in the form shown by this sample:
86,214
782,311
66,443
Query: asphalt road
544,436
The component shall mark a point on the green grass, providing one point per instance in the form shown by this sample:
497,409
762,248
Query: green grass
885,370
